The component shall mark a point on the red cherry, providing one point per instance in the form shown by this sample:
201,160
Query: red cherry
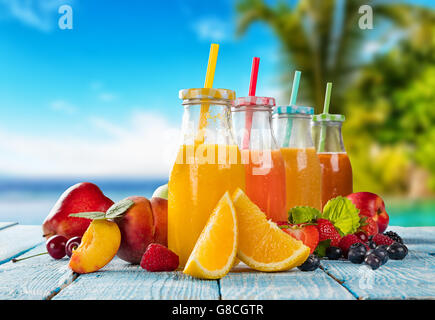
72,244
56,246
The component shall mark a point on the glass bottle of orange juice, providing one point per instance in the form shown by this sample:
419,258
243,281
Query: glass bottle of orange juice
292,126
265,171
208,164
334,161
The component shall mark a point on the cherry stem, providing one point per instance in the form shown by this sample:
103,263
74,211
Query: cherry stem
35,255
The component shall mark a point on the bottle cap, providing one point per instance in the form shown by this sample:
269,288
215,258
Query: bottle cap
254,101
293,110
328,117
207,93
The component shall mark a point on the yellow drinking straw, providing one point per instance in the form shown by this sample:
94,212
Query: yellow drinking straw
209,77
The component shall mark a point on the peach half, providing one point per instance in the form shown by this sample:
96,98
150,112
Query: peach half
98,247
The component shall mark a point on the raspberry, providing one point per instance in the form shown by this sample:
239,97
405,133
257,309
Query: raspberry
347,241
328,231
381,239
159,258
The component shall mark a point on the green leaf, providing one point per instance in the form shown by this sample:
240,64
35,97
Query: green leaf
321,248
343,214
94,215
301,214
119,208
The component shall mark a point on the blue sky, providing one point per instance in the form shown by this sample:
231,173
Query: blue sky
91,101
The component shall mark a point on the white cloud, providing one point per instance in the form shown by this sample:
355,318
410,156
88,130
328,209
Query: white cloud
144,147
63,106
40,14
107,96
212,29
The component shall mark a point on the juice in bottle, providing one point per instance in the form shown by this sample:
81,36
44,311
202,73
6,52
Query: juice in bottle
202,173
334,161
264,165
292,126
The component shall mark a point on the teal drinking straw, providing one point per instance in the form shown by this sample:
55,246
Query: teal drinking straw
293,96
325,111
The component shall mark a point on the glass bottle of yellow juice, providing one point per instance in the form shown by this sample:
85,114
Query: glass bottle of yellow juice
292,126
207,165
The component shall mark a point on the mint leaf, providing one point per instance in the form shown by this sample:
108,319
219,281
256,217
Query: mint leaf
343,214
321,248
95,215
119,208
302,214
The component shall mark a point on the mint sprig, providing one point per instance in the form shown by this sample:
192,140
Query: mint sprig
303,214
115,211
343,214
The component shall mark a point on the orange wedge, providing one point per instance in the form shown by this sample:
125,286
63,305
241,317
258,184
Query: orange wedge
263,245
216,248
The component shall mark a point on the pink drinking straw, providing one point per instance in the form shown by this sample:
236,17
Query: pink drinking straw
249,112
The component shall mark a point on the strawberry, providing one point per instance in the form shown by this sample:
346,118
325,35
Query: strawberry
308,234
369,226
159,258
381,239
328,231
347,241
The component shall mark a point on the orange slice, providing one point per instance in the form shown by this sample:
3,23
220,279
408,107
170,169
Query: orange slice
263,245
216,248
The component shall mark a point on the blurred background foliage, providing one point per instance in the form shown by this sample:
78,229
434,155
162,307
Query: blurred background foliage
388,98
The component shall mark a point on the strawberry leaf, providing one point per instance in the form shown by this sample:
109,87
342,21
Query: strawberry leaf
302,214
119,208
321,248
95,215
343,214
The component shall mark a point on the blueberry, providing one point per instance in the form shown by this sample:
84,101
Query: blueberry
383,246
333,253
371,244
373,261
356,253
397,251
382,254
311,264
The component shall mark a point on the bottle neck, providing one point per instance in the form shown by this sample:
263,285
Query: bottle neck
253,128
293,131
328,137
210,121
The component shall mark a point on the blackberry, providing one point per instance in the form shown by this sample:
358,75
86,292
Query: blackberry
393,236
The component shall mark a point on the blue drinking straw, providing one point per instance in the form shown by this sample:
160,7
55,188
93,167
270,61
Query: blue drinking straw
293,97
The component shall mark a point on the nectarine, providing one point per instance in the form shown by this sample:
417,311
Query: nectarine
98,247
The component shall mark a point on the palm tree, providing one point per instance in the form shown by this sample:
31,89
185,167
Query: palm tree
323,39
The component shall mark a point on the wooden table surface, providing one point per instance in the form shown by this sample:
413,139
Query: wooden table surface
44,278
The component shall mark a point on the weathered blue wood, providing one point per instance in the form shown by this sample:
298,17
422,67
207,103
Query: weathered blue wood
120,280
4,225
411,278
246,284
17,239
37,278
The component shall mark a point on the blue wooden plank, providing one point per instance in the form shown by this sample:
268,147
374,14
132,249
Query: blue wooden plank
411,278
243,283
4,225
36,278
18,239
120,280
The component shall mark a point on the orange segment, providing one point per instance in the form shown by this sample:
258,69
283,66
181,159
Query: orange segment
215,251
262,244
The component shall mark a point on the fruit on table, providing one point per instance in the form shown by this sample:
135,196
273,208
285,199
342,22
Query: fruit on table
308,234
397,251
393,236
333,253
72,244
216,248
81,197
369,226
357,253
56,246
347,241
311,264
262,244
99,245
373,261
327,231
381,239
371,205
159,208
381,253
137,230
159,258
161,192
